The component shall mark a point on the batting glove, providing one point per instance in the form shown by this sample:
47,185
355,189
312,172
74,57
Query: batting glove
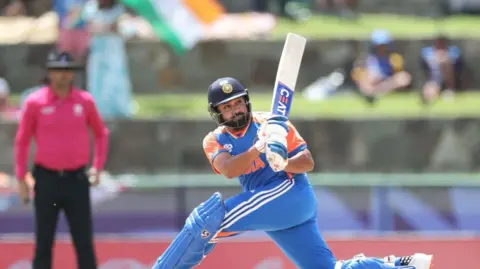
277,156
277,148
275,129
262,136
277,126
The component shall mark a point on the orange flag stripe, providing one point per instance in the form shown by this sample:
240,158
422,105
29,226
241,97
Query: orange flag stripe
206,11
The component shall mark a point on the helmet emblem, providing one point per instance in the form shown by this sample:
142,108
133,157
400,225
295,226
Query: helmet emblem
227,88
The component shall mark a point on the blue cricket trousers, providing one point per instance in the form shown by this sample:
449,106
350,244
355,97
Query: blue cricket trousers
286,209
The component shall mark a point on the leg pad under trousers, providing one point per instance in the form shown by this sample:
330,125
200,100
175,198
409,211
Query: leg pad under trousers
188,248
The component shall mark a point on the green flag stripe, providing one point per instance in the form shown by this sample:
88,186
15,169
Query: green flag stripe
145,9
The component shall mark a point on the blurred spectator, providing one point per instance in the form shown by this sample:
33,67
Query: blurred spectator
7,112
443,65
73,36
456,7
107,68
15,8
292,9
382,71
342,8
4,93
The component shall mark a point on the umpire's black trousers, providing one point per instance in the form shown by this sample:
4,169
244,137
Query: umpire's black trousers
70,191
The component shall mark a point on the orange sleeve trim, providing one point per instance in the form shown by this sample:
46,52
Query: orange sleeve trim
294,139
226,234
212,148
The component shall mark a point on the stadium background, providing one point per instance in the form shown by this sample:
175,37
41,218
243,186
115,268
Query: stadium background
396,178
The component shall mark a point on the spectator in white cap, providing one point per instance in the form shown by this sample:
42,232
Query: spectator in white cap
382,71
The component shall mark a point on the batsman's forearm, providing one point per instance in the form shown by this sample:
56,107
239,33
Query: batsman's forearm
300,163
238,165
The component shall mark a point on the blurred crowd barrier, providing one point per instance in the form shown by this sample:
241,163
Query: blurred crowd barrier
417,7
44,28
363,203
29,30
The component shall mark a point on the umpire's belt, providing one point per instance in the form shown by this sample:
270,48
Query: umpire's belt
60,172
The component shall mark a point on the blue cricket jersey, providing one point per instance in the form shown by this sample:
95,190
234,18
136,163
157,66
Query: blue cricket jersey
260,173
428,55
384,67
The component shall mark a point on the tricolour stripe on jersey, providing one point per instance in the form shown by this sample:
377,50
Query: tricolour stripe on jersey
253,199
255,202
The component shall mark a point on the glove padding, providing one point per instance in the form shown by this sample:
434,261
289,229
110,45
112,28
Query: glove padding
277,155
277,127
276,142
262,136
274,129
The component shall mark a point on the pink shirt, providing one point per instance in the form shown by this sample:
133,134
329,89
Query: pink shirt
60,128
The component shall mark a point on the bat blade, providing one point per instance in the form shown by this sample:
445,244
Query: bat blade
287,74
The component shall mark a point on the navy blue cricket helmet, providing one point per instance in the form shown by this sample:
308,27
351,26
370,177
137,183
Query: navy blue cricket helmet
222,91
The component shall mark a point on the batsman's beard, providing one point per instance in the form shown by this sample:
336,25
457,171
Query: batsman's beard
238,124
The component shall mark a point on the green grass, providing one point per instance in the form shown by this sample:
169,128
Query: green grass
325,27
194,106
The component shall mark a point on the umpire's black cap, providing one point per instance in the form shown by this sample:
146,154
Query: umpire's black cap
61,60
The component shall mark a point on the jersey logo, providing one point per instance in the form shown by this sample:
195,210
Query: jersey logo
78,110
205,234
228,147
256,165
227,88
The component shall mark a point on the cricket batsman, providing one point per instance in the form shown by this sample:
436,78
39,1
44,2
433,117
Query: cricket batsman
270,159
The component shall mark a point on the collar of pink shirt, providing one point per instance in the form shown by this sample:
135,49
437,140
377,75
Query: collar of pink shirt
52,96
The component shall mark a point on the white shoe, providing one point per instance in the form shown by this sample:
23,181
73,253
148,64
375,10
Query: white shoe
390,260
421,261
359,256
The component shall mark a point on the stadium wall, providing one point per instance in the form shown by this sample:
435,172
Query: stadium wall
155,69
368,145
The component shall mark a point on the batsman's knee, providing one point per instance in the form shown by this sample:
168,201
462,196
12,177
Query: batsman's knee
206,218
191,244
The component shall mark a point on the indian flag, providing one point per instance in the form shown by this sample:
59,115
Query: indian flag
180,23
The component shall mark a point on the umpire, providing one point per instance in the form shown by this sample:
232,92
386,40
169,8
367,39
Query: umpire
59,118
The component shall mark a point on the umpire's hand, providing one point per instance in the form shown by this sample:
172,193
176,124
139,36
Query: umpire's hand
24,192
93,176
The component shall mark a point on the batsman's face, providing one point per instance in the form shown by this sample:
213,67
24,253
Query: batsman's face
234,110
61,77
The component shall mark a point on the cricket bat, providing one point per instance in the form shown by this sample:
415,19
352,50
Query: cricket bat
287,74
